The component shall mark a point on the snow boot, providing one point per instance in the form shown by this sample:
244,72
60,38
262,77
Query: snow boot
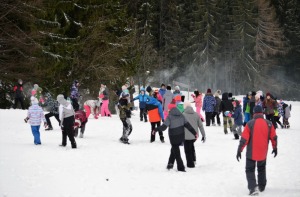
253,192
162,139
81,135
170,166
74,145
236,136
49,128
261,188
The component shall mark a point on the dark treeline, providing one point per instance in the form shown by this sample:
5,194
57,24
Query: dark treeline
232,45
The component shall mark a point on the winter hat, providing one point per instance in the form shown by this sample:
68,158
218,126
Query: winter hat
61,99
208,90
35,86
219,92
186,104
20,81
34,100
177,88
253,93
149,89
142,89
268,94
229,95
257,109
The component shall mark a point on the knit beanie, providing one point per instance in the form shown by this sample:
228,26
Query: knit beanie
34,100
177,88
208,90
257,109
186,104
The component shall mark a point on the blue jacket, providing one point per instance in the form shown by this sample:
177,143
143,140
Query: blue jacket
154,101
143,99
209,103
162,92
238,116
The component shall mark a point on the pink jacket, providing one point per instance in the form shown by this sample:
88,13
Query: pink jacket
198,100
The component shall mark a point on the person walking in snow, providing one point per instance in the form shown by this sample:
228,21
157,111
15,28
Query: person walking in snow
197,96
209,103
226,108
167,98
176,123
35,116
91,106
194,119
269,106
156,115
286,114
67,121
80,122
75,95
104,95
142,97
217,109
125,115
53,110
19,97
238,119
256,136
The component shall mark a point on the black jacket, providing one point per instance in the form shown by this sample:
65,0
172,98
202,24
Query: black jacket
226,105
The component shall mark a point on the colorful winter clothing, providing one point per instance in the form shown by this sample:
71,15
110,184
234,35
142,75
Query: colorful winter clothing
37,93
143,98
125,115
287,115
256,136
80,122
176,123
209,104
194,119
269,105
91,106
167,98
198,102
246,109
238,120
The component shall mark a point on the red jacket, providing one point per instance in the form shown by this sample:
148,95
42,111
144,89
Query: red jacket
256,136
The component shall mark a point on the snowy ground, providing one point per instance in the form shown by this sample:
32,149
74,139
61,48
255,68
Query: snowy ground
102,166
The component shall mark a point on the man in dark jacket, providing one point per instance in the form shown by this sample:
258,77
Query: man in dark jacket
226,107
176,123
256,136
18,89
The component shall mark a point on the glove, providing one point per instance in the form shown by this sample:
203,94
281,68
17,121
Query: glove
238,156
203,139
274,152
26,119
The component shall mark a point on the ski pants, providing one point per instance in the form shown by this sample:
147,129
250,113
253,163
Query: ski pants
19,99
175,155
261,173
153,126
36,134
68,130
127,128
217,115
104,108
208,117
190,153
143,114
47,116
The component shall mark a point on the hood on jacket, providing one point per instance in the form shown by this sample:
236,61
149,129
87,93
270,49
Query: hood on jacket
152,101
61,99
225,96
189,110
175,112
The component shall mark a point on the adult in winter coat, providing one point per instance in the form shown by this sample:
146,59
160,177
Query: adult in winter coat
156,115
80,122
125,115
167,98
269,105
67,121
238,119
209,103
75,95
194,119
226,108
19,97
105,101
197,96
52,105
91,106
176,123
252,102
217,109
142,97
35,116
256,136
37,93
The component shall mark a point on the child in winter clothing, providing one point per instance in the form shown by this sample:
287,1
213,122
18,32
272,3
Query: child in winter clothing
19,97
162,90
37,93
67,120
238,119
194,119
91,106
287,115
104,95
156,115
277,117
209,103
197,96
142,97
226,108
53,110
177,94
125,115
75,95
35,116
176,123
216,112
80,122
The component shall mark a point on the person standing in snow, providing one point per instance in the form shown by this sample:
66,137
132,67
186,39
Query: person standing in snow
226,108
194,119
156,115
238,119
91,106
217,109
67,121
35,116
269,105
125,115
104,95
53,110
197,96
75,95
176,123
256,136
209,104
162,90
19,97
142,97
167,98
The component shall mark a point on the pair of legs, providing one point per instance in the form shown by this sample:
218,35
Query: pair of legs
68,130
104,108
261,174
190,153
36,134
217,115
271,118
175,155
82,129
198,111
153,126
208,117
19,99
47,116
127,129
226,120
143,114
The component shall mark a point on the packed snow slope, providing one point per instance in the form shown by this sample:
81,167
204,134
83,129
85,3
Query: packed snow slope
102,166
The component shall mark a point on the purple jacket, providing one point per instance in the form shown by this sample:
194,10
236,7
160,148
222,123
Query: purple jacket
35,115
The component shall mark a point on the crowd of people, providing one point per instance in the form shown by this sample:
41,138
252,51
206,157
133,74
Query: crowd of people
253,120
